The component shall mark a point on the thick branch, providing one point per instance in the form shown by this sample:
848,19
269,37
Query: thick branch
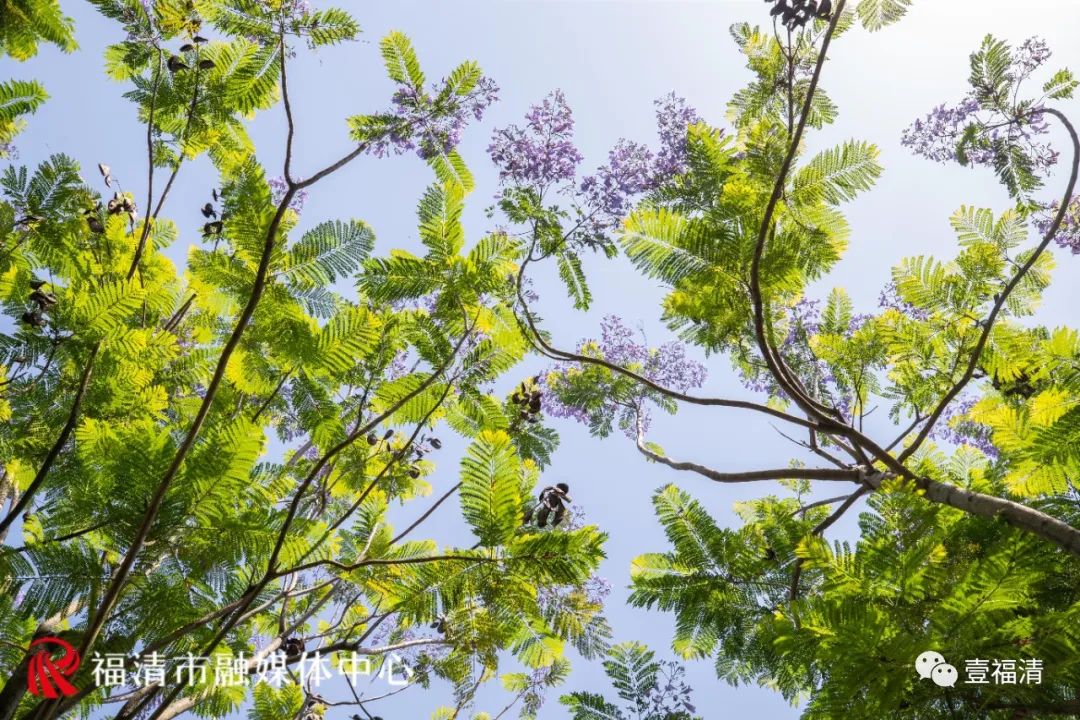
54,451
751,475
772,357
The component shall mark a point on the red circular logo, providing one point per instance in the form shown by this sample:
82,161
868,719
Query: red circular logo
47,676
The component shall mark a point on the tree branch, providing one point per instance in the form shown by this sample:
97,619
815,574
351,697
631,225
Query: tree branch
1003,296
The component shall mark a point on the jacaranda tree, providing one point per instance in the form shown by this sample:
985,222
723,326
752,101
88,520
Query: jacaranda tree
970,538
200,462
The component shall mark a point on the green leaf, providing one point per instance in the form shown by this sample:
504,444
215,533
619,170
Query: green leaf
439,214
401,62
450,168
327,252
574,278
877,14
490,492
838,174
1061,85
665,245
990,72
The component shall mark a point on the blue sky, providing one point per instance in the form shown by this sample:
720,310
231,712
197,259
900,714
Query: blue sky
611,59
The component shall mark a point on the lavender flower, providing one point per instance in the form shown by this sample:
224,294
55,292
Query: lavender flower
431,122
542,153
629,172
1068,234
938,135
626,401
542,156
1030,56
957,428
803,322
278,188
673,117
890,299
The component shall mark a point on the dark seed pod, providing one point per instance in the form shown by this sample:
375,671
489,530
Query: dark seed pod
33,319
206,64
293,647
175,64
515,398
116,204
436,443
534,405
524,415
212,228
208,211
95,225
37,284
187,47
43,299
372,439
389,434
414,472
199,39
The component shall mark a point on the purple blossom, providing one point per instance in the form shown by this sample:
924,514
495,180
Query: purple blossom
667,365
937,136
1030,56
431,122
673,117
957,428
278,188
1068,234
609,193
803,322
399,366
542,156
890,299
543,152
670,697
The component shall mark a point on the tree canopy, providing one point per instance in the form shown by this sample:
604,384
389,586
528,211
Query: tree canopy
204,459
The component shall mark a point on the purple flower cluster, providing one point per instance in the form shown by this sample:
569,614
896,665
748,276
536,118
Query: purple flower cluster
937,136
542,156
670,697
667,365
803,322
542,153
673,117
278,188
1030,56
955,428
431,122
628,173
890,299
1068,234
